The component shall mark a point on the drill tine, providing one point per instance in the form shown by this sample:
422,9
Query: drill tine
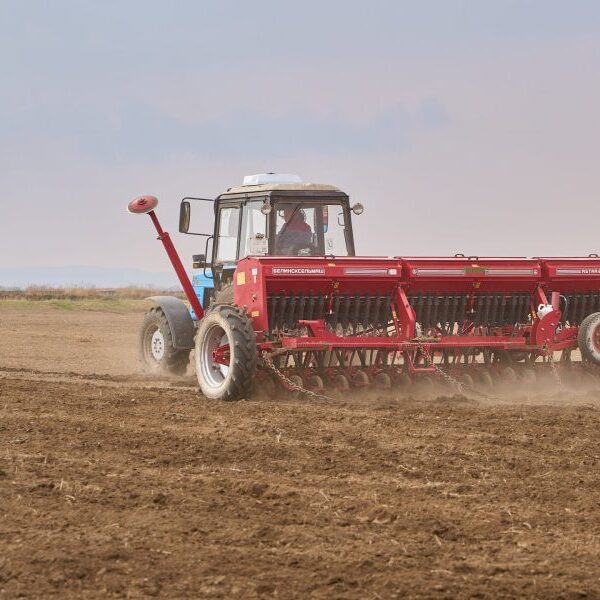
497,307
435,317
365,311
321,307
282,310
418,307
478,308
584,308
486,313
356,312
431,315
428,302
423,306
582,302
519,311
287,320
453,309
486,310
345,312
462,311
424,312
580,307
512,313
493,310
485,320
502,313
310,307
517,316
387,315
444,311
525,308
377,311
301,305
336,311
273,313
574,309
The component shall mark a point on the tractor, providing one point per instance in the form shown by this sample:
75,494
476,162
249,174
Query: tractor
279,300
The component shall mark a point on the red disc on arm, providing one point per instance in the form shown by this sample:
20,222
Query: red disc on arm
142,204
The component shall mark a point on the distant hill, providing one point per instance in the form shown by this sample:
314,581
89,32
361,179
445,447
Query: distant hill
15,277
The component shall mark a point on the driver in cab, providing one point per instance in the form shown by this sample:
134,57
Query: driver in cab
295,234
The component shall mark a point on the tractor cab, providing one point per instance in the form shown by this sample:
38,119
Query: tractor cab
272,215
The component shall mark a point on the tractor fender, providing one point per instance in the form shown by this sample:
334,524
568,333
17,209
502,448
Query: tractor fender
179,319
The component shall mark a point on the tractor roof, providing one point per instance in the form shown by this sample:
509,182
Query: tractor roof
282,187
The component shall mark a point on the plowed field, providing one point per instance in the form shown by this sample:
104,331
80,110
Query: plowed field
115,485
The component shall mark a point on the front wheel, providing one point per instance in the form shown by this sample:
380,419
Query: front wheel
226,354
155,346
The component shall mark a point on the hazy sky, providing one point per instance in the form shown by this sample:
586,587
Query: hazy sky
462,126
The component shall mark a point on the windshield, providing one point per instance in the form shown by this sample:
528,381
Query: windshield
305,229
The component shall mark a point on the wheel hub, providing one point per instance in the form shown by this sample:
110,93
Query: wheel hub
214,356
157,345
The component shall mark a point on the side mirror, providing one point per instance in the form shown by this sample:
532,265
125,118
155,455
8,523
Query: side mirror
184,216
357,209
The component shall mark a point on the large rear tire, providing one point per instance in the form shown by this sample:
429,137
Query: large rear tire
226,325
588,338
155,346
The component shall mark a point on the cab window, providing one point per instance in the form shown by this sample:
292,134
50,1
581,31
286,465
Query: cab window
303,229
253,240
227,240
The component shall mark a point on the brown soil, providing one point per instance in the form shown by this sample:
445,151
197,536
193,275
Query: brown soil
113,485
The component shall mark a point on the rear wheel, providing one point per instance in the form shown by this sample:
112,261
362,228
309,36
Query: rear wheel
588,338
155,346
226,353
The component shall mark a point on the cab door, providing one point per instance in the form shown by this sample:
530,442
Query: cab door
226,242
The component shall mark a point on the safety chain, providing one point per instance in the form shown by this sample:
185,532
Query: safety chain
288,383
455,382
451,380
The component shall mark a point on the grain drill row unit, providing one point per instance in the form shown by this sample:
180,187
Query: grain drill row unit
284,300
